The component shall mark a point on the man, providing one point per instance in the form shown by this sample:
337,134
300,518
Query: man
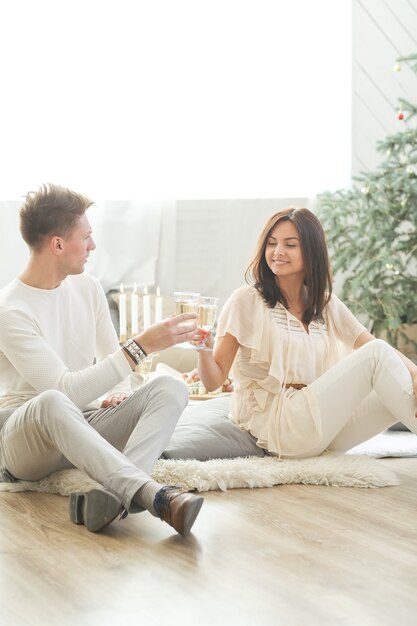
64,377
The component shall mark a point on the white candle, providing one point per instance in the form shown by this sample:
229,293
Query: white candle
122,315
134,309
158,306
146,309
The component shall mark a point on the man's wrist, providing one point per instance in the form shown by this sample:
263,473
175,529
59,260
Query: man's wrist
141,341
134,350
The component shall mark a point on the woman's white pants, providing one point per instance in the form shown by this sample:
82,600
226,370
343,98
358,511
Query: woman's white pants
359,397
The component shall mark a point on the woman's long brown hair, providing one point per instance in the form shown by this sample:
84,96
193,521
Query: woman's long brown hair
317,278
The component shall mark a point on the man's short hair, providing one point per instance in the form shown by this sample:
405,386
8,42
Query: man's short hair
52,210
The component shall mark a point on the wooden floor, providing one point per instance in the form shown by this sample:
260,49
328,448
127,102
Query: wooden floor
288,555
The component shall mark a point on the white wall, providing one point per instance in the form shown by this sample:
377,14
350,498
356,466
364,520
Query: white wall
205,245
215,241
185,98
383,30
190,245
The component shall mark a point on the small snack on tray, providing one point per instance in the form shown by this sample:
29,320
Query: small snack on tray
196,387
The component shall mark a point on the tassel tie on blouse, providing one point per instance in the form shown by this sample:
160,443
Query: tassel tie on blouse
285,385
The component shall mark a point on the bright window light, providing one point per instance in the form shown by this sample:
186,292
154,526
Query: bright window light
123,99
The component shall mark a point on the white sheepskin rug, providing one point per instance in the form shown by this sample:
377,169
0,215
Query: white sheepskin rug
331,469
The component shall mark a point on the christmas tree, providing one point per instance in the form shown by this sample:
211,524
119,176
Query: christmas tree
371,231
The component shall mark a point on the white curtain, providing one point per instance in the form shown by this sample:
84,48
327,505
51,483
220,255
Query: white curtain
127,235
13,250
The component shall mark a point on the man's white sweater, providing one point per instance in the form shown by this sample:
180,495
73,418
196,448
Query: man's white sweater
60,339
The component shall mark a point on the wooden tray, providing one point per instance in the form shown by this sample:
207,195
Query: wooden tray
208,396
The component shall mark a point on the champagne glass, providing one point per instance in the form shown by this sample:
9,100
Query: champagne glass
207,307
143,371
186,302
145,367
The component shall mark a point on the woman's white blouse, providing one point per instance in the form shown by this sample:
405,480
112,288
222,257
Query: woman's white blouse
275,350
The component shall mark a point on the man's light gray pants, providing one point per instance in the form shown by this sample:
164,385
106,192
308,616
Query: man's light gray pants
117,446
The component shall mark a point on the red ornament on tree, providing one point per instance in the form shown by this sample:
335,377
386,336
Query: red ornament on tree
400,115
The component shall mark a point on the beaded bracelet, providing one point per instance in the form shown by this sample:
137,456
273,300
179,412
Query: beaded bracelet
134,350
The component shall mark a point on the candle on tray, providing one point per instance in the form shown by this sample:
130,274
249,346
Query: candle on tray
134,304
146,309
122,315
158,306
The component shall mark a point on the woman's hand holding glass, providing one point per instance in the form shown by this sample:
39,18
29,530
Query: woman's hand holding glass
203,340
207,307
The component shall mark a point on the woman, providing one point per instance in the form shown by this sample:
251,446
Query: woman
308,376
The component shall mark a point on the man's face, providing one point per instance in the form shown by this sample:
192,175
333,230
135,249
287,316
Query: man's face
76,247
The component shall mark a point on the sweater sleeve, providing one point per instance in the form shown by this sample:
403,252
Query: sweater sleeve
42,368
107,341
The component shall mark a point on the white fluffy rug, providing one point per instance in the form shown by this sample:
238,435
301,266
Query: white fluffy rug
355,469
329,469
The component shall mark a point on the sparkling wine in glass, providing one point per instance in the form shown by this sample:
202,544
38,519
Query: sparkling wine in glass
186,302
145,367
207,307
